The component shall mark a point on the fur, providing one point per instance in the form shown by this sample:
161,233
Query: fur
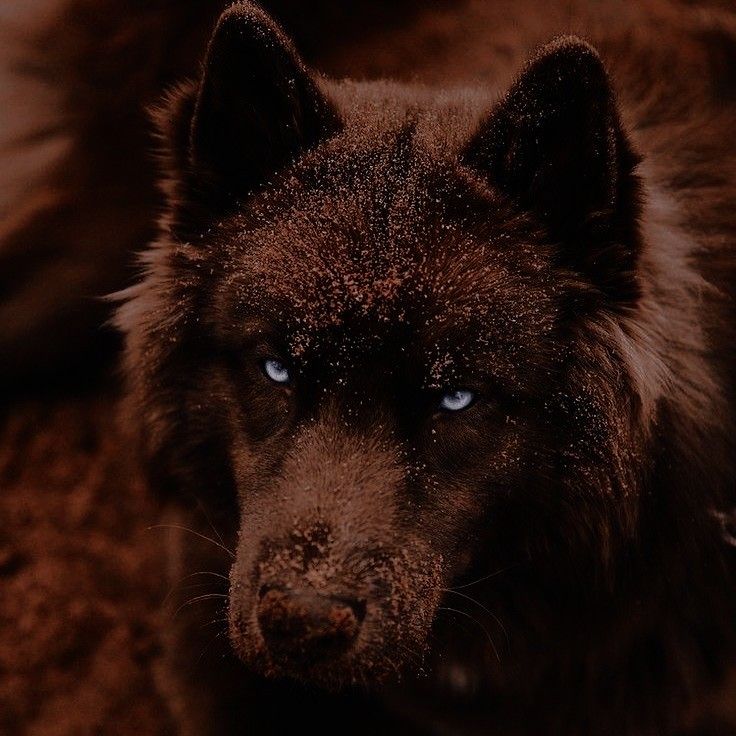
547,222
391,240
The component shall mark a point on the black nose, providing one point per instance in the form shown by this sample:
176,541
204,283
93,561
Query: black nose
308,625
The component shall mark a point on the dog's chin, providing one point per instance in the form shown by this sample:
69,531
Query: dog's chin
330,675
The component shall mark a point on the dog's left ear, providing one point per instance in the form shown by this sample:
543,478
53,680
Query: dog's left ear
555,144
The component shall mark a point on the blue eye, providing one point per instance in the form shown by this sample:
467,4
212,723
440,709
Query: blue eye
276,371
457,400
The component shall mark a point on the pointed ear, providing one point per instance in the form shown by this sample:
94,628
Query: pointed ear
555,144
256,109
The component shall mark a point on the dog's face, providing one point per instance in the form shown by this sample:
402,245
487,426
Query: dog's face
377,332
388,360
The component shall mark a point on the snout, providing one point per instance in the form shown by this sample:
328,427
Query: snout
307,625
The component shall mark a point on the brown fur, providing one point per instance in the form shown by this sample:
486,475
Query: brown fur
415,243
420,241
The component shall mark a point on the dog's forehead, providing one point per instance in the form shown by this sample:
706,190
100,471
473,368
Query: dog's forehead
343,286
401,248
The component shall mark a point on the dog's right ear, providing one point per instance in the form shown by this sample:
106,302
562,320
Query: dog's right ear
256,109
555,144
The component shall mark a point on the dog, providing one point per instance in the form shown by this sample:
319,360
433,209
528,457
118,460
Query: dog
452,373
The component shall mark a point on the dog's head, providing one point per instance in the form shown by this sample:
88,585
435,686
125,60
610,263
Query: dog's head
382,321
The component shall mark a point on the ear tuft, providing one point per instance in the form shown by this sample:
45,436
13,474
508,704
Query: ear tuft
555,144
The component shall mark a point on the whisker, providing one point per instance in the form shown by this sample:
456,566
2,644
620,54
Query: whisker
206,572
486,577
177,587
197,599
178,584
214,621
182,588
203,509
486,609
475,620
196,534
